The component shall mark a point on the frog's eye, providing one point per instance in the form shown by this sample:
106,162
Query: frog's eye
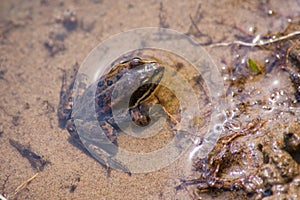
136,62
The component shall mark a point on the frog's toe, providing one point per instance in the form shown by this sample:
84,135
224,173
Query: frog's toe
110,162
118,165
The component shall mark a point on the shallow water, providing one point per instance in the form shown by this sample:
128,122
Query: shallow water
39,41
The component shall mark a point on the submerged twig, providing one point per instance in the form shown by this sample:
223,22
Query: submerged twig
24,184
36,161
256,42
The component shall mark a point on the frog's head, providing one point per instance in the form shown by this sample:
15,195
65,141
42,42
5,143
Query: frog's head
138,80
151,72
150,75
142,70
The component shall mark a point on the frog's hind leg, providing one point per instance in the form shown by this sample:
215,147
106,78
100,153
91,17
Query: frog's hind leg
106,159
103,147
118,165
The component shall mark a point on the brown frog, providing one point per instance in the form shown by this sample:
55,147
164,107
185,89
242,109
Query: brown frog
146,74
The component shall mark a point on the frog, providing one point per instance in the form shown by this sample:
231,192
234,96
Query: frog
147,75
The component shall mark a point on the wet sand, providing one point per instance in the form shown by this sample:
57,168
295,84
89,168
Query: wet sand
36,46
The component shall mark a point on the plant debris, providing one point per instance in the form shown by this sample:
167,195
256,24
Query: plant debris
55,41
257,41
253,66
258,168
68,19
292,64
261,160
295,78
63,24
74,184
24,184
36,161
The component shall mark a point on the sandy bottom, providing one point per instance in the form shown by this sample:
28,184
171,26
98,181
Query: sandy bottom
41,39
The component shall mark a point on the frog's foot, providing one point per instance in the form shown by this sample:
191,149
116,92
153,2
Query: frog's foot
102,146
117,165
140,116
106,159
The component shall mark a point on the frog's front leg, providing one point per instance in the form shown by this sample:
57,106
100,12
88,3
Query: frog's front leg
140,114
